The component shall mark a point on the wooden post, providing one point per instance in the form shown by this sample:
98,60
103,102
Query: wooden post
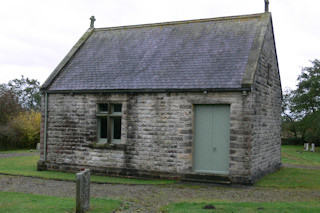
83,191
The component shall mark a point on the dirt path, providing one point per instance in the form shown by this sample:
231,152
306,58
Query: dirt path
146,198
9,155
301,166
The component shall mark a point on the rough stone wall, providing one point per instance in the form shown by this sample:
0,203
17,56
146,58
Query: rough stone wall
266,106
72,126
157,131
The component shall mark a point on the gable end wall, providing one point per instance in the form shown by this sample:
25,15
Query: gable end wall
266,106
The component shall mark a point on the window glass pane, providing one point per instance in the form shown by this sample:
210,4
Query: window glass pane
103,108
117,107
117,128
103,128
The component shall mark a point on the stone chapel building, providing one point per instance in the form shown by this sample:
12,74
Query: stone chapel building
191,100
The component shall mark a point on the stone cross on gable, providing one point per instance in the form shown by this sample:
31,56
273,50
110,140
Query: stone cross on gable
92,22
266,2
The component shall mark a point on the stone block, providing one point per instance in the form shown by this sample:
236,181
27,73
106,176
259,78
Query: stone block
313,148
83,191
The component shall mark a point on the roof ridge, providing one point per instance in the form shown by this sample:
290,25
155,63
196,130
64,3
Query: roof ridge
180,22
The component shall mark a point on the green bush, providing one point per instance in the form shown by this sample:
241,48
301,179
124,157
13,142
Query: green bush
313,138
23,131
312,134
8,138
292,141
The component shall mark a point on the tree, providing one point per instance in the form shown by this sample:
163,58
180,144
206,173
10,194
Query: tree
28,92
289,119
9,104
19,113
306,98
301,107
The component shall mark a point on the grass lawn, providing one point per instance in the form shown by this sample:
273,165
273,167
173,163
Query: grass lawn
296,155
274,207
17,151
294,177
19,202
27,166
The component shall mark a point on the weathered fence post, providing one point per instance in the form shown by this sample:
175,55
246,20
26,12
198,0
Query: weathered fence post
313,148
83,191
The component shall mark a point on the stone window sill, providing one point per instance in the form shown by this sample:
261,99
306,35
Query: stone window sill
108,146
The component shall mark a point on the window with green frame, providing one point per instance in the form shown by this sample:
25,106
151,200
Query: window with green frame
109,122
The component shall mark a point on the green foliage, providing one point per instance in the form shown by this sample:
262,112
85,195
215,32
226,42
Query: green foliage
27,166
243,207
301,107
27,127
291,140
20,202
306,98
9,105
8,138
23,131
312,133
15,151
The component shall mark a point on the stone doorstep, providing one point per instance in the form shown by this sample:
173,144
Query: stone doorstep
206,178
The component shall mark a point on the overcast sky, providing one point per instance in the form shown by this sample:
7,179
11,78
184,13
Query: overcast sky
37,34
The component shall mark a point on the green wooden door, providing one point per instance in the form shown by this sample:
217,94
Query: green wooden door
212,133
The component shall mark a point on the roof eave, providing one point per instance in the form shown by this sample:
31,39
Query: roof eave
66,59
150,90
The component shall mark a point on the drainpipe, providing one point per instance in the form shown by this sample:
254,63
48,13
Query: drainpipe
45,127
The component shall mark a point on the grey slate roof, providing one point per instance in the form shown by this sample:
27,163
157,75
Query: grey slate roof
198,54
